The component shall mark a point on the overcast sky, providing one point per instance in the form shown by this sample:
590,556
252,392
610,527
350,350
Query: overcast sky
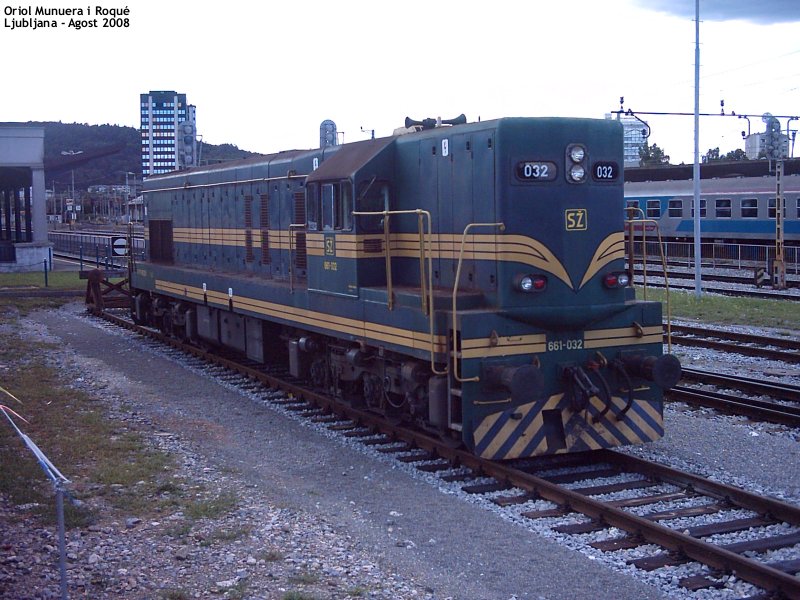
264,75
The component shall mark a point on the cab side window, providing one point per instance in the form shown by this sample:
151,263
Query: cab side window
336,206
312,206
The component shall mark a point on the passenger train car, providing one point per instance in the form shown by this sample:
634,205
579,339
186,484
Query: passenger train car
737,201
467,278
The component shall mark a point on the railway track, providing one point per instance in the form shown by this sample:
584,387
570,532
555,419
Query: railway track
772,348
737,292
734,403
659,494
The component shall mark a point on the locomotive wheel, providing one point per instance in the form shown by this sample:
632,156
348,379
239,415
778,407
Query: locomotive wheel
165,324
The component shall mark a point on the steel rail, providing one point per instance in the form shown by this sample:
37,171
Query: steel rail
790,343
761,387
747,407
733,347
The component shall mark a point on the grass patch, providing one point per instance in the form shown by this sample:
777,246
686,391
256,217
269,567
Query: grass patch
102,456
57,280
173,594
728,310
226,535
294,595
272,555
304,578
211,508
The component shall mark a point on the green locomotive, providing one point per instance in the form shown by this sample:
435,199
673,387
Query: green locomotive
468,277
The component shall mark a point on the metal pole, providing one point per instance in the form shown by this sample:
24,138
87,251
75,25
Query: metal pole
44,262
696,173
62,545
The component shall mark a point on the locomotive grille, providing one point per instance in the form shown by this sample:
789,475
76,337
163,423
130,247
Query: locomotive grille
248,229
264,223
373,245
300,260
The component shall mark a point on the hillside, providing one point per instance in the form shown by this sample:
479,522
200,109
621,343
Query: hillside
63,139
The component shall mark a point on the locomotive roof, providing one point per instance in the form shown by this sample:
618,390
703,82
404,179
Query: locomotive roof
349,159
230,164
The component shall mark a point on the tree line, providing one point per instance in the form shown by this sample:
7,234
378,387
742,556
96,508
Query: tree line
654,156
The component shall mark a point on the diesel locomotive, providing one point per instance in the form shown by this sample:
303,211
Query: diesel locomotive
466,277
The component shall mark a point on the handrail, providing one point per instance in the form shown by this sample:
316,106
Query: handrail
502,227
426,291
294,226
644,262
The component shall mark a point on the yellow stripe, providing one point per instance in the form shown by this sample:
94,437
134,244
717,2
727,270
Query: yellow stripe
516,248
418,340
505,346
622,336
509,429
611,248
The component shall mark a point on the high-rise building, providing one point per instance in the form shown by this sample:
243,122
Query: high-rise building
169,132
635,132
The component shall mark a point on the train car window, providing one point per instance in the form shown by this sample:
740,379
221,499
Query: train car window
772,209
653,209
723,208
702,208
798,208
312,206
675,208
749,208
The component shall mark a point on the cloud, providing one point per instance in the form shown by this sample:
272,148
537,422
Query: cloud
764,12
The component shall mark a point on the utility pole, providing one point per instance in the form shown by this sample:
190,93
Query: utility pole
774,151
696,172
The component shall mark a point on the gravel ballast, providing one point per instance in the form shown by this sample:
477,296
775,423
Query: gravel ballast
323,516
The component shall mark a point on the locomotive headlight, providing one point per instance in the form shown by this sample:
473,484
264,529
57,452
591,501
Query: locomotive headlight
530,283
577,153
616,280
577,173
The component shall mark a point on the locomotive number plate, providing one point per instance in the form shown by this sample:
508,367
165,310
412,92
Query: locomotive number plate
564,344
536,171
605,171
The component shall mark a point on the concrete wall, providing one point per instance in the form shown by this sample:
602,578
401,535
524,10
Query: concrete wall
23,146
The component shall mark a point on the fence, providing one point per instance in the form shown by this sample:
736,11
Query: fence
722,255
59,482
